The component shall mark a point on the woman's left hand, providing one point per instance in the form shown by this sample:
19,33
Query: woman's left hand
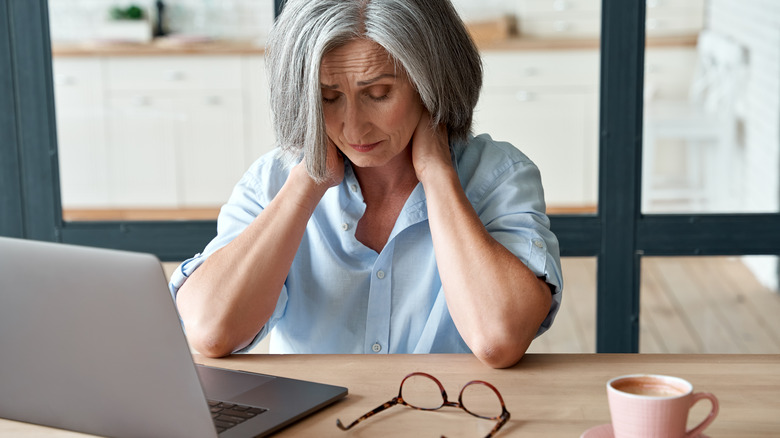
430,147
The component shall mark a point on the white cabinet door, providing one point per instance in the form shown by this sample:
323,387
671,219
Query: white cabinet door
554,131
142,150
261,136
546,104
81,135
210,147
176,130
175,73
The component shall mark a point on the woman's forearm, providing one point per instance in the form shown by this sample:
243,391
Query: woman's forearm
496,302
229,298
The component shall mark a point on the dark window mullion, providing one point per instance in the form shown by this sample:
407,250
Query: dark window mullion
11,211
622,69
709,234
30,126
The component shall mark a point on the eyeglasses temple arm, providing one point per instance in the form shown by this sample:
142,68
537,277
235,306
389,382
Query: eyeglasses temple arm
502,421
379,409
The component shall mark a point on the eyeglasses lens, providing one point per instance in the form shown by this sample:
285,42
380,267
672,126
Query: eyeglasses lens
480,400
421,392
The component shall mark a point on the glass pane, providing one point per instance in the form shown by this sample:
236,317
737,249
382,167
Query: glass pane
707,305
541,88
574,329
157,126
712,108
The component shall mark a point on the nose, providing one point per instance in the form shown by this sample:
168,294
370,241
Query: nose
356,123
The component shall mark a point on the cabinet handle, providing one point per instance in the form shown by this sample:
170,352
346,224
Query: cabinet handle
64,80
529,71
175,75
562,26
213,100
653,23
142,101
524,96
560,5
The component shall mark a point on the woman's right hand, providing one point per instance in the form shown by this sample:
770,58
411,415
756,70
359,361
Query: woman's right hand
334,166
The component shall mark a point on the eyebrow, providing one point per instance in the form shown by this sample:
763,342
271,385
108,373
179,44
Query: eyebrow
361,83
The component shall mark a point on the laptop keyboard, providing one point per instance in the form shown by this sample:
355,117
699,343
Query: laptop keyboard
227,415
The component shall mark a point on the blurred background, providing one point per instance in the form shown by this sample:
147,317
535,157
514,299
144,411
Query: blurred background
162,105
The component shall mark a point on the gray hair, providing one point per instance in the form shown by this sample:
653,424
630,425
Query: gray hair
427,38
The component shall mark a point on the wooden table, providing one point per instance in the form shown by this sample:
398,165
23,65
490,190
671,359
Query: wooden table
548,395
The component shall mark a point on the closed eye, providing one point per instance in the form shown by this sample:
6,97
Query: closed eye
330,96
379,93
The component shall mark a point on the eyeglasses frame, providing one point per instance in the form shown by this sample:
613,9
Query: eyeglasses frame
502,418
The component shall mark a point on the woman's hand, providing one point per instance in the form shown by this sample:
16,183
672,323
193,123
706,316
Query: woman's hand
335,171
335,165
430,148
226,301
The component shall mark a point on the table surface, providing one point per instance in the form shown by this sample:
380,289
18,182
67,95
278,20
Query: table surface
548,395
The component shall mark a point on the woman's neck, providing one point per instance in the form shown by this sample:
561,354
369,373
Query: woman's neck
396,178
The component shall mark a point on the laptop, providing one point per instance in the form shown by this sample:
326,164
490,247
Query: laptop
90,341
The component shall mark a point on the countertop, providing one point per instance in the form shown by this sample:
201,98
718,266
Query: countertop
165,48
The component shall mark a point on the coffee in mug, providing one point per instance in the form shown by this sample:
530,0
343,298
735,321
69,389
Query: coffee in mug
654,406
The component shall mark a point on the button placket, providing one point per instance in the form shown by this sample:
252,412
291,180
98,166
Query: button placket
379,304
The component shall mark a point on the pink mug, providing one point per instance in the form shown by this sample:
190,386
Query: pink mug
655,406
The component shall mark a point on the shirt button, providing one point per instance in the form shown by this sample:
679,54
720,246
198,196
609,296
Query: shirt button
345,226
376,348
538,244
353,187
380,274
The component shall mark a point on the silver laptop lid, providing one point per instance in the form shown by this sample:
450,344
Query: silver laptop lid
90,341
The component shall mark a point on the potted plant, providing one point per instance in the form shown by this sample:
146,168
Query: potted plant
127,24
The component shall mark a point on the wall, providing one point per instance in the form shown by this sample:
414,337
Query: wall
756,25
80,20
77,20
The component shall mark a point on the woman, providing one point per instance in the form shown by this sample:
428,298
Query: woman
380,225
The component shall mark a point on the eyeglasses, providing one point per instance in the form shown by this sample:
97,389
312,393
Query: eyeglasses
419,391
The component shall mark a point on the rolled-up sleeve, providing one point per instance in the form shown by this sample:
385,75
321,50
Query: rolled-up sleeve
249,197
240,210
510,202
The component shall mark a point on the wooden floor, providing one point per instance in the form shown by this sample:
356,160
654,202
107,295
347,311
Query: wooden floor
688,305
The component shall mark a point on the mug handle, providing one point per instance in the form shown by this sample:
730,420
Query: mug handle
696,431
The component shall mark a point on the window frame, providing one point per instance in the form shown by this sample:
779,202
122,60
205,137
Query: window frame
618,235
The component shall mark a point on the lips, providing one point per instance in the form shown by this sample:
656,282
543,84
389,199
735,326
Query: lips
364,147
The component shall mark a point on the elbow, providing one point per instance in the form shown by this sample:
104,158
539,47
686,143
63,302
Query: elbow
211,348
210,342
500,353
496,358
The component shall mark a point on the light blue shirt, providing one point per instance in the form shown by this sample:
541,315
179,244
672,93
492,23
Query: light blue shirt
342,297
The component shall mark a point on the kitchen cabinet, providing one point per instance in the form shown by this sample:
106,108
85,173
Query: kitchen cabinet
260,132
212,148
81,133
546,105
141,151
181,120
179,131
582,18
162,132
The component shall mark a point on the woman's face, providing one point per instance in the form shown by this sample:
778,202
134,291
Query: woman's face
371,109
